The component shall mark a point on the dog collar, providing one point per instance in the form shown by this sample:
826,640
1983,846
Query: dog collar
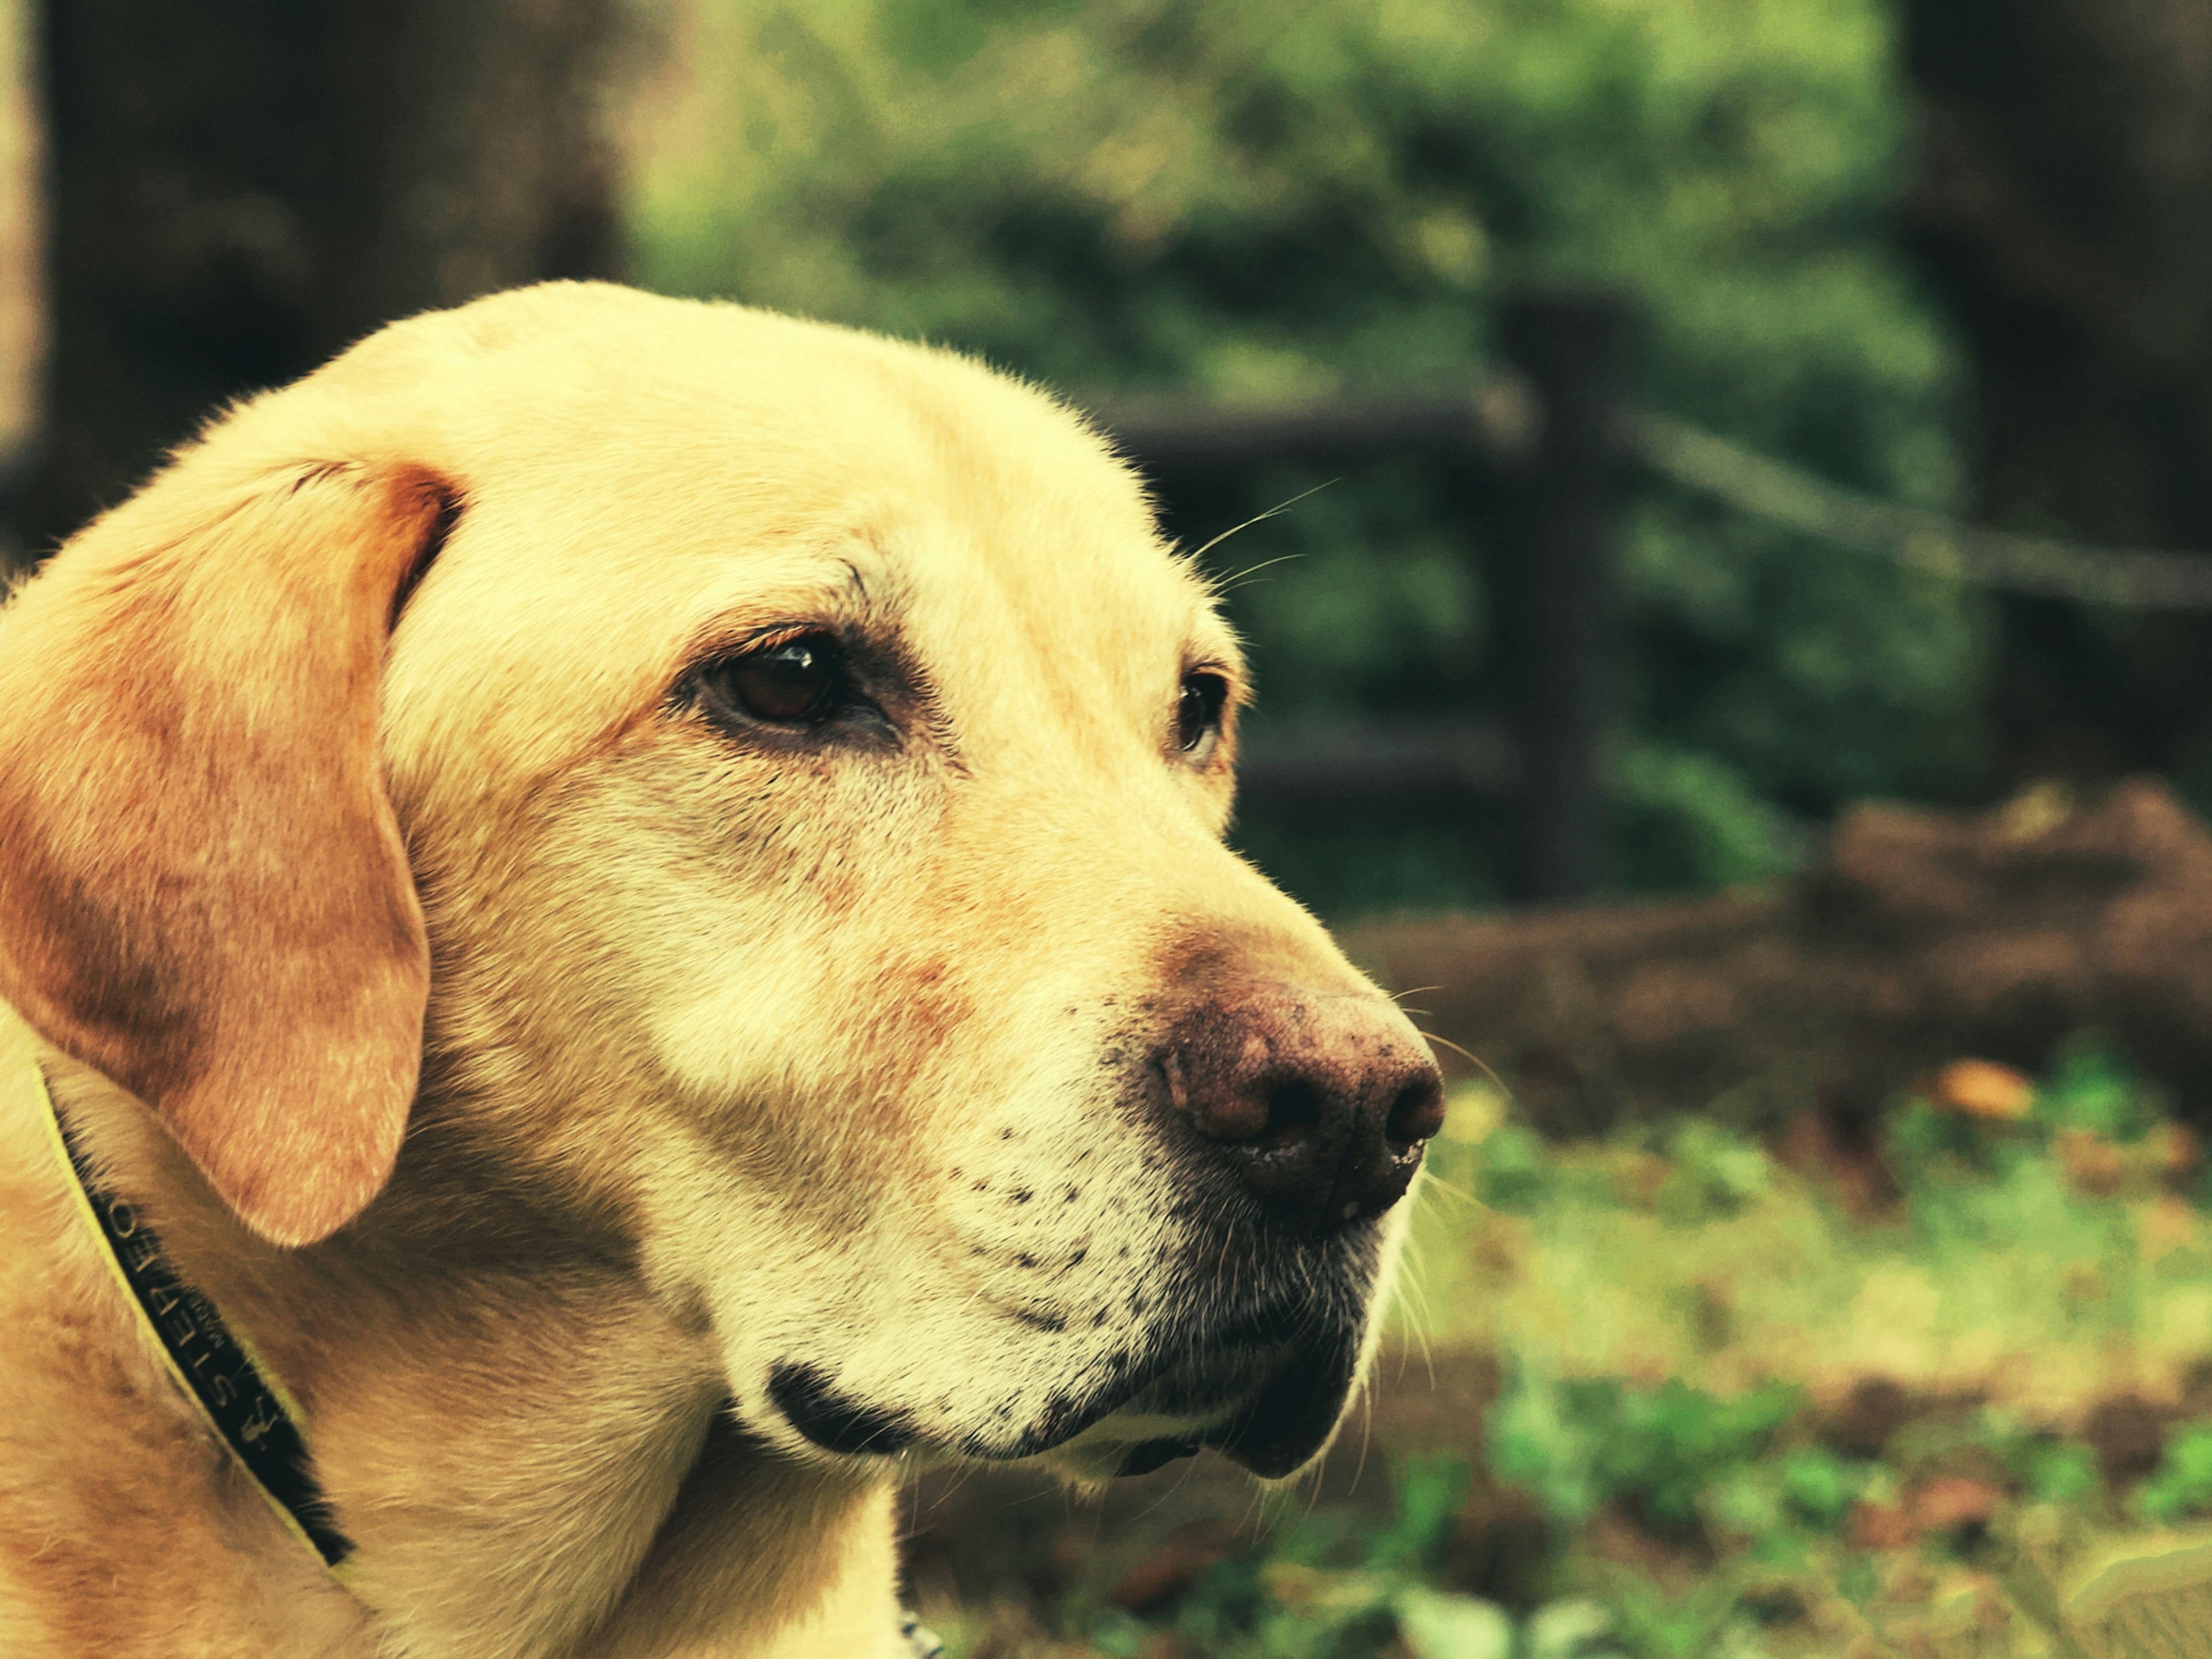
242,1402
246,1406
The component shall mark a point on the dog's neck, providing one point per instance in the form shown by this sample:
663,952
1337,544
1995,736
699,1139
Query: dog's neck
526,1448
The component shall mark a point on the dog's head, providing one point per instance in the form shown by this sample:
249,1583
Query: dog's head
794,772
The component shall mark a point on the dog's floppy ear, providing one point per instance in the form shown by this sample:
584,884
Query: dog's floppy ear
203,890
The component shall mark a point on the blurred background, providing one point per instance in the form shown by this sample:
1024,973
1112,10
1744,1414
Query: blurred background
1717,494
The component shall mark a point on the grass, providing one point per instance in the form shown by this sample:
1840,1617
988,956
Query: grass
1951,1395
2038,1262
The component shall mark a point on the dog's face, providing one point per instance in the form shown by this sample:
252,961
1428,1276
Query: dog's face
814,769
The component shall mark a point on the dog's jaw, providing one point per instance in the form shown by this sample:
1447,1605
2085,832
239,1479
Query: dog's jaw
1132,1314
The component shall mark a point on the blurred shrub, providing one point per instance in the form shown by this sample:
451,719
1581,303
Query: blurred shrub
1678,811
2091,1087
1514,1167
1580,1444
1819,1486
1703,1622
1715,1171
1337,1584
2182,1484
1250,202
2048,1470
2095,1129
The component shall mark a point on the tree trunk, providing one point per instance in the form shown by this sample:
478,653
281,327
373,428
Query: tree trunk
240,188
2063,208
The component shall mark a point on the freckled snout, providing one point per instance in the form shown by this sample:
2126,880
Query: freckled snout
1320,1105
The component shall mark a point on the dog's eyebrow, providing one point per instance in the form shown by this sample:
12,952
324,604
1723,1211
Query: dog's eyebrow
832,592
1212,645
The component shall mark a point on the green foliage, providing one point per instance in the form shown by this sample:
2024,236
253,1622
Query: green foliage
1679,812
1922,1140
1818,1487
1704,1622
2051,1470
2007,1197
2091,1087
1325,1586
1715,1171
1436,1626
1973,1185
1430,1491
2182,1484
1512,1170
1580,1443
1248,204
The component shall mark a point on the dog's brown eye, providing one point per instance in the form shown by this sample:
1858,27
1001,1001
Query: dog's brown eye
793,683
1198,714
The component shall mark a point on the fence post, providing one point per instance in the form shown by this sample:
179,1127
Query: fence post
1555,586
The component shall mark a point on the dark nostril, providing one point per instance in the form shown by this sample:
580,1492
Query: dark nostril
1418,1113
1293,1108
1318,1106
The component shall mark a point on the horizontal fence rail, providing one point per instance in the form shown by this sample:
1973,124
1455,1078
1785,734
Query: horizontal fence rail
1542,447
1492,424
1304,762
1555,448
2130,578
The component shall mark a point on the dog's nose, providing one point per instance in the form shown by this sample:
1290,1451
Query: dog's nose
1320,1105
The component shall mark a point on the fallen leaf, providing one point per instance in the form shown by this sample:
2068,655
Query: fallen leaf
1984,1088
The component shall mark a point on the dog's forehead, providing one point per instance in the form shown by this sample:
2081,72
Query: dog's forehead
639,475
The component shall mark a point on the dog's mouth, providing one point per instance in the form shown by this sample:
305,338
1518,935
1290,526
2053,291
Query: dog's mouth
811,1403
1268,1406
1264,1398
1274,1433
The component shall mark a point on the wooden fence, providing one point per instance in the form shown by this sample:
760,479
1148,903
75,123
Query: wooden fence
1541,465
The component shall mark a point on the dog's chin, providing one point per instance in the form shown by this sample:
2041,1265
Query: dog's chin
1273,1429
1264,1393
1274,1433
1273,1426
1265,1388
1270,1407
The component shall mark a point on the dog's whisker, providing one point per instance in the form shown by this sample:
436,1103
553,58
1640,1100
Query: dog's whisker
1456,1193
1476,1060
1247,576
1274,511
1366,1406
1428,1356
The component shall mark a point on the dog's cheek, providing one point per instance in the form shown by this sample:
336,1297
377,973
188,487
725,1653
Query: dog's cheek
716,907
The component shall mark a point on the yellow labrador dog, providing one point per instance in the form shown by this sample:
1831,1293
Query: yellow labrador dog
619,906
